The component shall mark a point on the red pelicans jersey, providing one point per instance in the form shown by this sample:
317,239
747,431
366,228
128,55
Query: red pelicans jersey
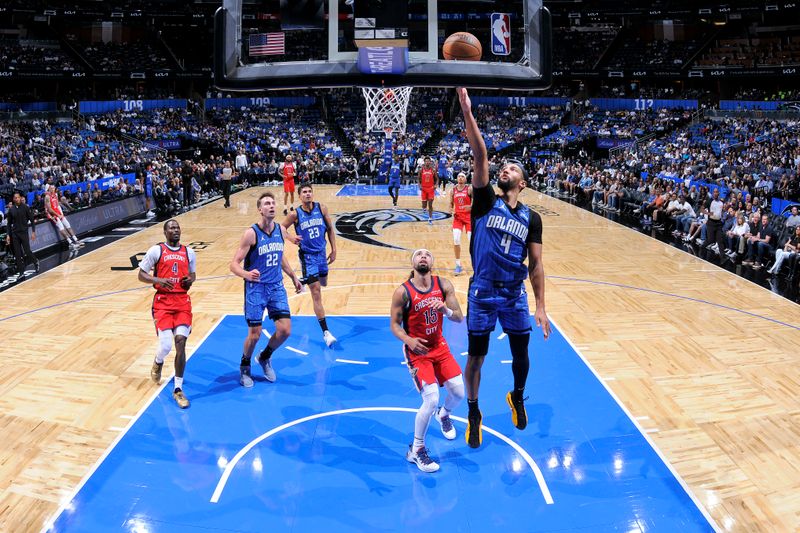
288,171
426,178
54,205
173,265
462,201
419,319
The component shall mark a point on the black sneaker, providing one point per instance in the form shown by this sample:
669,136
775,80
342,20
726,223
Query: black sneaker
518,415
473,435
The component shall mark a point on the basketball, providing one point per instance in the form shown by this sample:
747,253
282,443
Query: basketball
463,46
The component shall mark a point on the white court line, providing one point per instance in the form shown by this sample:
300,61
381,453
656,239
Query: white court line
609,378
502,336
651,430
506,361
641,418
265,332
295,350
350,361
223,480
641,430
129,417
464,353
116,428
66,501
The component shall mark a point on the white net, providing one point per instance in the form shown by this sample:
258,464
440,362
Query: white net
386,108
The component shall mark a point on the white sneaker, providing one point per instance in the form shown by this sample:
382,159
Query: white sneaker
448,430
424,462
328,337
266,366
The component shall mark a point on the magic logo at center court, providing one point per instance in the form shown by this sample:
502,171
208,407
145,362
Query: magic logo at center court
362,226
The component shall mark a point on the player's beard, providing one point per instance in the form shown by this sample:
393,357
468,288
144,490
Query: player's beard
505,185
422,269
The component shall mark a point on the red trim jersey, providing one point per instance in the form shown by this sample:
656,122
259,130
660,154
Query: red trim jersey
173,265
288,172
462,202
426,178
54,205
419,319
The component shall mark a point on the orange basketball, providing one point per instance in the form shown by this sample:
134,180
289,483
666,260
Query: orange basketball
462,45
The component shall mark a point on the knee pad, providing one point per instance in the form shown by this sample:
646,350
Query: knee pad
478,345
164,344
457,237
455,387
430,399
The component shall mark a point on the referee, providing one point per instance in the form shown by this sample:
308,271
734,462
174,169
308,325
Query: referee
19,217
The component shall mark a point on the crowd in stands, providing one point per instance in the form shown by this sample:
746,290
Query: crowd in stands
637,52
35,55
668,184
751,52
580,47
140,54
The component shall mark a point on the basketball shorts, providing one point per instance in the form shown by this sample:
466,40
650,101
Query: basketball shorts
171,310
288,185
61,223
436,366
463,224
314,265
269,296
486,303
394,182
428,194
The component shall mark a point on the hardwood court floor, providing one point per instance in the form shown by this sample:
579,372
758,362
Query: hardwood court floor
706,361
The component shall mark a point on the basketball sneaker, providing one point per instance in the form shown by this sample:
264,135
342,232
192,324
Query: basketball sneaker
423,460
155,372
448,430
328,337
518,414
459,270
245,379
266,366
180,398
430,221
474,435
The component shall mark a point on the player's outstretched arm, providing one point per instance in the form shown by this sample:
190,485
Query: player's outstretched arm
480,176
289,221
536,275
399,300
247,241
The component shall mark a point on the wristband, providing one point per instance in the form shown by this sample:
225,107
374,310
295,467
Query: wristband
448,312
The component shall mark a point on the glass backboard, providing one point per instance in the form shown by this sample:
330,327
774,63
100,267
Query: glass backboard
282,44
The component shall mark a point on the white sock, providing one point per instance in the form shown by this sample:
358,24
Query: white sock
458,262
74,239
418,443
178,382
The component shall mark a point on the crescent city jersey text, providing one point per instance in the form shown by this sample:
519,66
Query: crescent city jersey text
311,227
500,237
419,319
266,255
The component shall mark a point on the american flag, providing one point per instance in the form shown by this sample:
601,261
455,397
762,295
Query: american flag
267,44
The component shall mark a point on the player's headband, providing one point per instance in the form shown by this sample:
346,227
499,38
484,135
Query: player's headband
519,165
418,250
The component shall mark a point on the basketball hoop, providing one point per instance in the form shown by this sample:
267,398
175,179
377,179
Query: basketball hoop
387,108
